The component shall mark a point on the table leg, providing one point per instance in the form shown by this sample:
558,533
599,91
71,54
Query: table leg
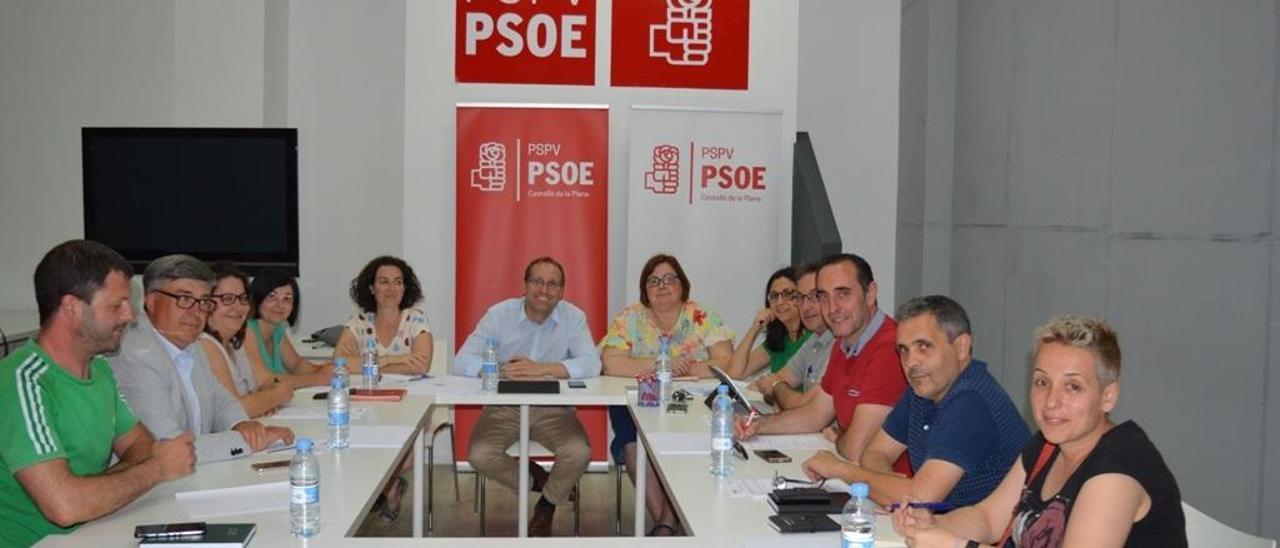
419,445
642,461
523,496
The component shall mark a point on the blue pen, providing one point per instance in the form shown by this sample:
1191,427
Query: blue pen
930,506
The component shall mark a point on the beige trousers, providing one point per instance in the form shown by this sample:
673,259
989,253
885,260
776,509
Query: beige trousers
556,428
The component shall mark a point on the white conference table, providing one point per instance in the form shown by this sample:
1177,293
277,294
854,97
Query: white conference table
351,480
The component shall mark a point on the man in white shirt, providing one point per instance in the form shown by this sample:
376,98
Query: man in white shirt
538,336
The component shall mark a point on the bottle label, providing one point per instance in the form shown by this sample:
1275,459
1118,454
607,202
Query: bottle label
339,418
300,494
721,444
370,370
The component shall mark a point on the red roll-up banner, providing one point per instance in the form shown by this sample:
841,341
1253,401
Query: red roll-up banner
532,181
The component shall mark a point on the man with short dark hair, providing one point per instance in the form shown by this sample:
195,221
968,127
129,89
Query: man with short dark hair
537,336
862,380
61,416
165,374
959,427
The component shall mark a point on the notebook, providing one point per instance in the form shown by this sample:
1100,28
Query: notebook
528,387
216,535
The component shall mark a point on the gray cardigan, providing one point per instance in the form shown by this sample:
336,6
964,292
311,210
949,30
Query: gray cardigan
150,382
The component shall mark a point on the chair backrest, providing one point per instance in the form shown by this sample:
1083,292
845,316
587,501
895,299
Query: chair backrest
1204,531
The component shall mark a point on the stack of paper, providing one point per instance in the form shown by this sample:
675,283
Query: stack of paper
227,501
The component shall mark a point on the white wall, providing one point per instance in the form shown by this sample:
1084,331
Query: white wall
848,102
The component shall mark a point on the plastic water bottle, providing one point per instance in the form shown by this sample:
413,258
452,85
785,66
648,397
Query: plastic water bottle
339,406
304,492
858,520
722,433
489,366
662,366
369,362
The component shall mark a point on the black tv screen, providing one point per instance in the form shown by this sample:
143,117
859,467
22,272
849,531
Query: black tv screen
215,193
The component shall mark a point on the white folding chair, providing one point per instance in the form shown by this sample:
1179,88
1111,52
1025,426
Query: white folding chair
1206,532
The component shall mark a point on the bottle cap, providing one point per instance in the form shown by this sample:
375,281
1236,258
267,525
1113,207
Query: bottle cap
722,390
859,489
303,445
340,362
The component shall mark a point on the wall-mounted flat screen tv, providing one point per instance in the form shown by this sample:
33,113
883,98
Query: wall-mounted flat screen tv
215,193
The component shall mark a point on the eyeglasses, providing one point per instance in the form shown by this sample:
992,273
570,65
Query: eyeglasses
545,284
784,295
810,297
185,302
228,299
659,281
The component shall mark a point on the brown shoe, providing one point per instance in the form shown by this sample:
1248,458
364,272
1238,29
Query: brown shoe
540,523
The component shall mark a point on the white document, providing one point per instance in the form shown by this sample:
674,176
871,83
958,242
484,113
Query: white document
229,501
683,443
757,488
448,384
783,442
313,412
392,437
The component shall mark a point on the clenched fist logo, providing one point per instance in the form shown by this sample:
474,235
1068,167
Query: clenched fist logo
664,178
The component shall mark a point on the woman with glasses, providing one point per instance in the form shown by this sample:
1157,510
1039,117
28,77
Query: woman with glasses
1082,480
275,299
697,339
258,390
385,292
780,320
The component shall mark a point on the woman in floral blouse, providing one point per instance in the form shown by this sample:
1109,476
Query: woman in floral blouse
697,339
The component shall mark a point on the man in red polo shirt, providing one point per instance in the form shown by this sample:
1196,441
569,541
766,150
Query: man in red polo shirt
863,379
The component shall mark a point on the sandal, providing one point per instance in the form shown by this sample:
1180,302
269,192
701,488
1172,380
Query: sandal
390,510
670,530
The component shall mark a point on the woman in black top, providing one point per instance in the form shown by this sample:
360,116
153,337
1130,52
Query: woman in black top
1082,480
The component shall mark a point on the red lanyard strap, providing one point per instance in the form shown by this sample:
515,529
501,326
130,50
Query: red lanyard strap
1045,452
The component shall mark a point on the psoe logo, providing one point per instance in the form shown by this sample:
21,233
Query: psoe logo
491,174
664,178
685,38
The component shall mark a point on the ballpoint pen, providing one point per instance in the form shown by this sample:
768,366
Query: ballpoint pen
930,506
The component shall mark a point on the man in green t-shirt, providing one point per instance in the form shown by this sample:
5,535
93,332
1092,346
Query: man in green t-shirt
61,416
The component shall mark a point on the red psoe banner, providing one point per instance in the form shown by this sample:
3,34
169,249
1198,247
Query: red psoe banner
681,43
531,181
525,41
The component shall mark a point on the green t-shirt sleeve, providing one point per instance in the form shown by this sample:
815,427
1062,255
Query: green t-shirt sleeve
125,419
25,435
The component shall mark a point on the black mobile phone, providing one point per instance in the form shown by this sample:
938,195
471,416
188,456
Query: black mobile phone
772,455
577,383
161,530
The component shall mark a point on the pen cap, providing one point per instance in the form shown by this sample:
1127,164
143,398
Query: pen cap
859,490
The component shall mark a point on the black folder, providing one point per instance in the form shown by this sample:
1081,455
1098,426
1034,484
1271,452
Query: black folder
803,523
528,387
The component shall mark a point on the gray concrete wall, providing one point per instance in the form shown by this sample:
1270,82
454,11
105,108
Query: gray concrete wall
1117,158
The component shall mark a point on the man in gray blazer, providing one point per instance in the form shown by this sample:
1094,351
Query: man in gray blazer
164,374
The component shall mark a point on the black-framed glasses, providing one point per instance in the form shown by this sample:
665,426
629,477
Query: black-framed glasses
185,302
659,281
784,295
228,299
545,284
810,297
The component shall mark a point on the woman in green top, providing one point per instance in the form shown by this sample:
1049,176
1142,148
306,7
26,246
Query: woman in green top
780,320
276,300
